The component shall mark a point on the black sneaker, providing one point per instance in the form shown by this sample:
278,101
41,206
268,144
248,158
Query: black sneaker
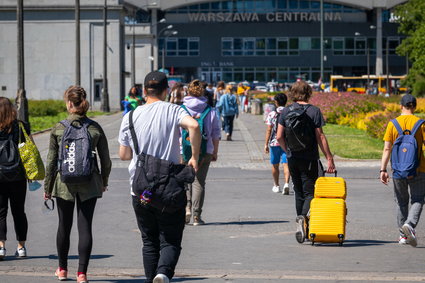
301,229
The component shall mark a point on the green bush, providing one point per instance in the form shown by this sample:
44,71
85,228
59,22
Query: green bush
38,108
419,88
377,124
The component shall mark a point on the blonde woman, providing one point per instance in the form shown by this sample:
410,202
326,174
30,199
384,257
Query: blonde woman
228,108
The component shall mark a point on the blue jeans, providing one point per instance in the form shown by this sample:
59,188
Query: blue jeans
228,124
242,102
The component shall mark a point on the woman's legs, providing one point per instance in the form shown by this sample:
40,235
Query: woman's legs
65,213
17,206
85,211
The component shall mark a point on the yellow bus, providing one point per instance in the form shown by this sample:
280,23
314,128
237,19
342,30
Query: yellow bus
377,84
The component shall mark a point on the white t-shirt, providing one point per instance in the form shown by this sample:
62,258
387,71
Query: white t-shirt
271,121
157,127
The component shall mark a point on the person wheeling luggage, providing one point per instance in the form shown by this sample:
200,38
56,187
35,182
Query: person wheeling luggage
300,134
74,179
404,138
149,137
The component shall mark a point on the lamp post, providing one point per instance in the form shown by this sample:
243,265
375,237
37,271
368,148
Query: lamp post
174,32
321,41
154,44
21,98
155,55
387,66
133,45
77,44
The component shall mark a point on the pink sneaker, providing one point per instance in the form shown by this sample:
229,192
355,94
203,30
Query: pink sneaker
61,274
82,278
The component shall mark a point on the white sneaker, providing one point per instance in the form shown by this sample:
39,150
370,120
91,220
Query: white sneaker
285,189
161,278
276,189
403,240
21,252
2,252
410,234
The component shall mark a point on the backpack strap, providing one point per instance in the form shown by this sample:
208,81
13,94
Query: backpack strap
205,112
416,127
397,126
132,132
185,108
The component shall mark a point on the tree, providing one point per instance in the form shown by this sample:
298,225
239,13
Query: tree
411,17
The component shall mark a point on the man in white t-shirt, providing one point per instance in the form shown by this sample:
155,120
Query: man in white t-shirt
157,127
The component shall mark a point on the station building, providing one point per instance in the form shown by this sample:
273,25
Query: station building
233,40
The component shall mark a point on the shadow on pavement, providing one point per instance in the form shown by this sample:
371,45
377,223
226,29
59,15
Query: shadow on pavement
245,223
76,256
138,280
357,243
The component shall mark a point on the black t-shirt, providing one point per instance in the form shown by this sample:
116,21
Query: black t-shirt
316,116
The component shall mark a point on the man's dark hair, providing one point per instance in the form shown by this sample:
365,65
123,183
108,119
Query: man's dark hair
154,91
281,98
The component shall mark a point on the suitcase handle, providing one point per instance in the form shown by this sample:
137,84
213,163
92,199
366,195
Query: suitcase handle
324,171
336,173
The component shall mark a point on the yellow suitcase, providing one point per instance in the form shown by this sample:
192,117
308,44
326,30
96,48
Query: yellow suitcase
327,220
330,187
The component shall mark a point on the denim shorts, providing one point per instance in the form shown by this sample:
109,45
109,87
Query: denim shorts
277,155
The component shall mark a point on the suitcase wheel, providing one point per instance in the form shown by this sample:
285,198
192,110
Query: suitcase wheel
312,236
341,239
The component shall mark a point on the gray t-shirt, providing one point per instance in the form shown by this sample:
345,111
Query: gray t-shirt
157,127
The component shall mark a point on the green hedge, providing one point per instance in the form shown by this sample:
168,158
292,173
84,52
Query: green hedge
39,108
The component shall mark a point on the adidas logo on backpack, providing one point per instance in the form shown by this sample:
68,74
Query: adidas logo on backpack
76,157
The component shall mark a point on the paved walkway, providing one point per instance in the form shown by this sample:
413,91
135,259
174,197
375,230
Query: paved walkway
249,236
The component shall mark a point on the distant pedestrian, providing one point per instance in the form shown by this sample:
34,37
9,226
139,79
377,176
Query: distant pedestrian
228,108
177,94
149,137
83,192
13,183
242,92
277,154
219,91
134,98
414,179
300,134
208,93
196,105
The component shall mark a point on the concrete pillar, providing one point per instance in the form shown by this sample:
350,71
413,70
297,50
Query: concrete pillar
154,25
379,68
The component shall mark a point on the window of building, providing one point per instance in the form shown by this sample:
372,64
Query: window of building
282,46
237,46
249,46
271,46
338,46
360,46
349,46
305,43
293,46
260,46
179,46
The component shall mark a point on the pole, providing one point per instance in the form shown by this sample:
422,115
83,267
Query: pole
154,31
163,56
378,65
321,41
368,66
387,66
21,99
105,97
77,44
133,55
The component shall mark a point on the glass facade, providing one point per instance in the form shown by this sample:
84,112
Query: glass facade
291,46
263,6
179,46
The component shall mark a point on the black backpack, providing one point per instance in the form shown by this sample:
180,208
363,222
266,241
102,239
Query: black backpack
10,161
299,129
76,156
159,183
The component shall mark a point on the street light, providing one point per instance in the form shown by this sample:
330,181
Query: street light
154,43
174,32
368,61
133,49
155,49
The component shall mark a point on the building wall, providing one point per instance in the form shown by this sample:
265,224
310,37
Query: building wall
49,43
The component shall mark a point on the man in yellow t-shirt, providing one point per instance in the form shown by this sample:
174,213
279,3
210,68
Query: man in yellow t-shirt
242,92
407,219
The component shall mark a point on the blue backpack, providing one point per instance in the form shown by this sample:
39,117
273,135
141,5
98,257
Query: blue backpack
186,145
404,155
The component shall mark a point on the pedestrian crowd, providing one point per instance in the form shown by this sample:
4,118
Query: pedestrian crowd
171,138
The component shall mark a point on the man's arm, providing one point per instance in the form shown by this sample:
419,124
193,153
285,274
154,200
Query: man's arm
280,138
386,154
268,134
192,126
125,153
324,146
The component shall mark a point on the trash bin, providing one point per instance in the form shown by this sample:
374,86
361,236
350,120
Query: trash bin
256,107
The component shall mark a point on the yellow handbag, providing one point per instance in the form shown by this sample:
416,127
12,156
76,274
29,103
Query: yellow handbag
30,156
